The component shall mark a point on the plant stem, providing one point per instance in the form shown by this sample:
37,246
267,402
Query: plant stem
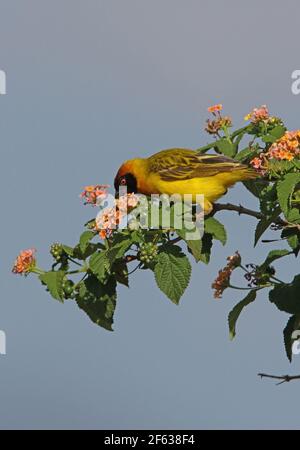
283,378
83,269
38,271
73,261
206,147
249,288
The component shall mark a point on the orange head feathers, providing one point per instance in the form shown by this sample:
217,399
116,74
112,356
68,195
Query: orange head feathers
131,174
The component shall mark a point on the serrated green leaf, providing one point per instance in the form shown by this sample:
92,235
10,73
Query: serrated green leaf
245,154
293,215
194,245
264,224
236,311
172,272
54,282
292,325
100,265
285,189
68,250
268,138
216,229
255,186
225,147
293,241
85,240
118,250
136,237
207,243
278,131
273,255
120,271
286,296
98,301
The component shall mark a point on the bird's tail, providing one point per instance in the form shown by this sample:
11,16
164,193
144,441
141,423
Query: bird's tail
242,173
247,173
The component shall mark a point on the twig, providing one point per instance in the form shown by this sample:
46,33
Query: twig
249,212
237,208
283,378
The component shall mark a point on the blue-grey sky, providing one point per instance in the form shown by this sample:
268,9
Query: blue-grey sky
89,84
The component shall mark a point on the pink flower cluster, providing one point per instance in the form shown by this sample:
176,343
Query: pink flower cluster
284,149
94,194
258,114
109,219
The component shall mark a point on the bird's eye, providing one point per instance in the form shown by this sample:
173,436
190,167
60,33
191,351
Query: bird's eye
123,182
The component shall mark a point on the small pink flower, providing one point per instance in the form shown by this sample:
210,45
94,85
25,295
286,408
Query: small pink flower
215,108
256,163
258,114
94,194
25,262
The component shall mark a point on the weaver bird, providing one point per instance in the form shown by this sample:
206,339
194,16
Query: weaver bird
182,171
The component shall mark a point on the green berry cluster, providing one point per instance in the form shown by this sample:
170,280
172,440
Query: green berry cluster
57,251
68,288
148,253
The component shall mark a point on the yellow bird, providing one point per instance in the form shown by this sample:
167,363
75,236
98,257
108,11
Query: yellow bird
182,171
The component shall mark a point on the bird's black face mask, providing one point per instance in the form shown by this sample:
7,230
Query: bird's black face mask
128,180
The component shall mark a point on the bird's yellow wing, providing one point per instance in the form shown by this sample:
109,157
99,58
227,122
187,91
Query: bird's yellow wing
183,164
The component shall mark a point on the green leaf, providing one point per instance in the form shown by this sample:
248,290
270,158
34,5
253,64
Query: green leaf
255,186
136,237
54,282
100,265
226,147
273,255
119,250
120,271
207,242
172,272
245,154
286,296
236,311
85,240
216,229
293,215
98,301
68,250
264,224
194,245
292,325
292,235
293,241
285,189
268,138
278,131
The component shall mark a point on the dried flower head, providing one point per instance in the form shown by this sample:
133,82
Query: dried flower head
223,278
